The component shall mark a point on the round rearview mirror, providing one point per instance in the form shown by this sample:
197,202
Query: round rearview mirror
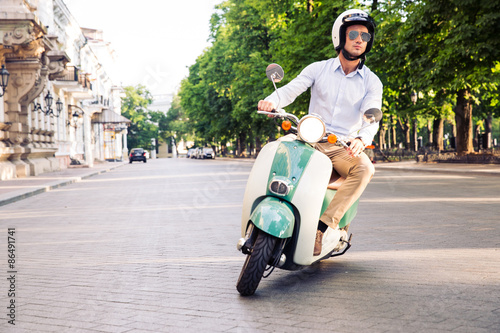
372,116
275,73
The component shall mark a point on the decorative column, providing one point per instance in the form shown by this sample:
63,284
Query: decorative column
21,49
89,154
125,149
27,100
23,76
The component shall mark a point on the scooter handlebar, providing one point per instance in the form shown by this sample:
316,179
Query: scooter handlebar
269,113
280,113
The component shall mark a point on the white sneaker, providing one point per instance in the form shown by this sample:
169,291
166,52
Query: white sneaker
343,235
331,236
342,240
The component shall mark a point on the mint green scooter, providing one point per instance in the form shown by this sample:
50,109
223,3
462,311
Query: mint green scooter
288,189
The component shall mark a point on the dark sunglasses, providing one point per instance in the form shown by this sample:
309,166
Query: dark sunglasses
365,36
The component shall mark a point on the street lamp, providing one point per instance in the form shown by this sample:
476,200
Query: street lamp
75,115
59,107
48,103
4,79
37,106
74,124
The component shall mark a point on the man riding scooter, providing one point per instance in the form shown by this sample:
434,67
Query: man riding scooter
342,89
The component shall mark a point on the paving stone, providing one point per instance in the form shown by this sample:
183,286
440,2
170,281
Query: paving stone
151,248
110,329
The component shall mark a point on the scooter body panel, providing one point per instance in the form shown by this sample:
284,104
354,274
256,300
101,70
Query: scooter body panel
274,216
308,200
257,182
349,215
305,173
289,164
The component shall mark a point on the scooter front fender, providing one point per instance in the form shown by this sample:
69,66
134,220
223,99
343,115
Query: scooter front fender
274,217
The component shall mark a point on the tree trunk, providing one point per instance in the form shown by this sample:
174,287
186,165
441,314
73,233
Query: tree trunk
252,146
310,5
406,127
389,138
430,133
258,146
242,145
415,134
438,133
463,118
381,137
223,148
477,141
394,133
488,125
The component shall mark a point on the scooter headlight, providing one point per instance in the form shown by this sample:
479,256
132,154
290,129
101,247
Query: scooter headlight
311,129
279,187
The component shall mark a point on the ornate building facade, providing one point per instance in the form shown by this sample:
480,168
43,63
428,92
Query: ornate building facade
51,111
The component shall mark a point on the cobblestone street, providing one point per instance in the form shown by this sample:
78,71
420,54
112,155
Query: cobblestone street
152,248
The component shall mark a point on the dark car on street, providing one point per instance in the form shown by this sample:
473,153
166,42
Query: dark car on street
137,154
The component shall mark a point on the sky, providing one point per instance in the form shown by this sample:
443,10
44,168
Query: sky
155,40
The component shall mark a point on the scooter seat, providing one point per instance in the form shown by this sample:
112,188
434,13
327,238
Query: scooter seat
336,181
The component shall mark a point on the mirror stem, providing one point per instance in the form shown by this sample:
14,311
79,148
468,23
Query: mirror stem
279,98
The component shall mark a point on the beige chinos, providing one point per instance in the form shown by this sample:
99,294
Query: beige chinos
358,171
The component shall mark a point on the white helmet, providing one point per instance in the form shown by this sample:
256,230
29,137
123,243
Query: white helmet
352,17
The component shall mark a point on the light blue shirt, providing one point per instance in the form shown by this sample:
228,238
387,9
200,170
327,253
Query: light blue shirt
339,99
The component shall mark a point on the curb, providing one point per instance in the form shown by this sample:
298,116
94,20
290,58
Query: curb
52,186
439,170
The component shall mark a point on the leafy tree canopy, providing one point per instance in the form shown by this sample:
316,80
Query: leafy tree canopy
144,122
447,50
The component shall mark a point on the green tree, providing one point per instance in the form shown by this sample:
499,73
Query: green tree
144,123
224,85
175,124
220,94
303,35
444,49
450,45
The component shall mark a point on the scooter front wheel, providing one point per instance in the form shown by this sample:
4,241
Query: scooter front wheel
255,264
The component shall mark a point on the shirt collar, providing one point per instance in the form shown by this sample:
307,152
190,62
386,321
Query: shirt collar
337,66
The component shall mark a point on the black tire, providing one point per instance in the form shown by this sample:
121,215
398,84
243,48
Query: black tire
255,264
145,160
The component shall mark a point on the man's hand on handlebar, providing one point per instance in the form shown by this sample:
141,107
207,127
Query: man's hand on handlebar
356,147
266,106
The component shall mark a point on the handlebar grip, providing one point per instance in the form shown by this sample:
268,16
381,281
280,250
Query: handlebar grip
268,113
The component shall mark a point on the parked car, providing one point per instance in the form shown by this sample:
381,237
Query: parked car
206,153
190,153
193,153
196,153
137,154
